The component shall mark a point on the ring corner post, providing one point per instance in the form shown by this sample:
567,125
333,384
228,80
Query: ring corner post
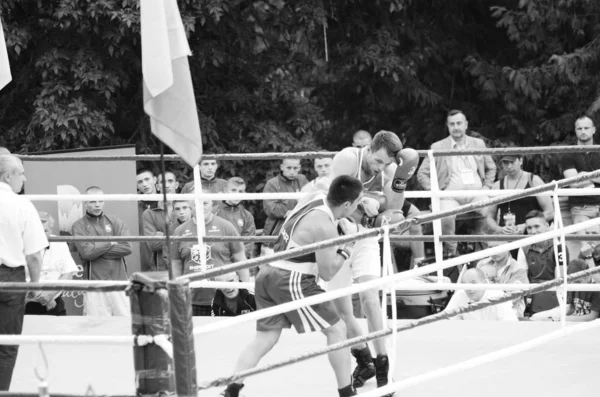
182,334
150,317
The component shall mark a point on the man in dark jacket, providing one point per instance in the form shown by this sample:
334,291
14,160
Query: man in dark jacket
288,181
103,260
232,301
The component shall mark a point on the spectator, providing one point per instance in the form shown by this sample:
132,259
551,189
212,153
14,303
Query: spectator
322,167
582,208
171,182
186,257
22,241
590,251
361,138
104,261
583,305
57,264
507,271
540,261
231,302
234,212
509,218
461,298
155,224
289,180
459,172
210,183
182,212
417,248
146,184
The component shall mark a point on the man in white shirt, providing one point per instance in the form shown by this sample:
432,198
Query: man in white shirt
57,264
22,241
461,298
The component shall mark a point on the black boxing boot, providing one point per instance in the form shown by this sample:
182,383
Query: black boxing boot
347,391
233,390
382,367
365,368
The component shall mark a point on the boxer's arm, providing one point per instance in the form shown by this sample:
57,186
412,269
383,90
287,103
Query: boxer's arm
395,201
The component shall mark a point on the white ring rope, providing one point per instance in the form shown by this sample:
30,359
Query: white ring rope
289,196
424,270
399,286
480,360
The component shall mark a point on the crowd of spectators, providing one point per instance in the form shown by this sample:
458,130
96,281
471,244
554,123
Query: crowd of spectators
531,215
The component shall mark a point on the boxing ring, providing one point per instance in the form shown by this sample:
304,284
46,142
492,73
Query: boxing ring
427,355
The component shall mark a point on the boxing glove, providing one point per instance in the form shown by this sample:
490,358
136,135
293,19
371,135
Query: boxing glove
408,160
373,203
392,216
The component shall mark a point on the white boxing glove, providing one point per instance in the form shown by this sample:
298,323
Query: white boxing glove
370,206
347,226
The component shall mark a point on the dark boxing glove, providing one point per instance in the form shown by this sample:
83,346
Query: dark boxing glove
408,160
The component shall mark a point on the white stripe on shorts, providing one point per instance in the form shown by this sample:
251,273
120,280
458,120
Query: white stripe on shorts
292,287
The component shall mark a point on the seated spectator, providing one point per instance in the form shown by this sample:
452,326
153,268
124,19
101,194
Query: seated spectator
234,212
361,138
509,218
540,261
462,298
232,301
288,181
186,256
57,264
590,251
104,261
506,270
210,183
476,173
582,305
170,181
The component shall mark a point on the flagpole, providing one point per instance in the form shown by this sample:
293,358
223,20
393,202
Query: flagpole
163,183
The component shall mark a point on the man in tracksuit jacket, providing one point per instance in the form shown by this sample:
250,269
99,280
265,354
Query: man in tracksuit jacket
104,260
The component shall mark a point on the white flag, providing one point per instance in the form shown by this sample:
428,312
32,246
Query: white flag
5,76
168,92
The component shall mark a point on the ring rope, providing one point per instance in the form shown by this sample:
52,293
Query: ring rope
509,296
377,231
404,287
25,394
376,283
287,196
310,155
270,239
482,359
108,286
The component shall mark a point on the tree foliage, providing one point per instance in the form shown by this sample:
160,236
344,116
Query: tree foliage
277,75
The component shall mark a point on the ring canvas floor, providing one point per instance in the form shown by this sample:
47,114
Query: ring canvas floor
567,366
